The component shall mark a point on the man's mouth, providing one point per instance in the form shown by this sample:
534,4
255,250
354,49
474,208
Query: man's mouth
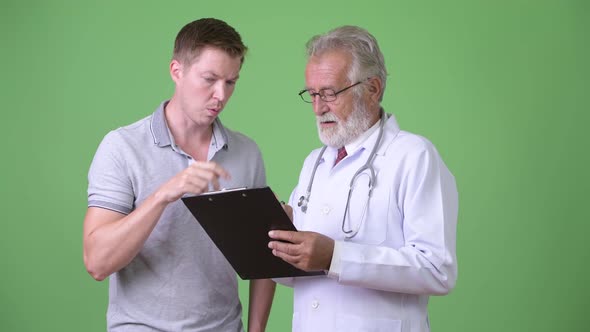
215,110
327,124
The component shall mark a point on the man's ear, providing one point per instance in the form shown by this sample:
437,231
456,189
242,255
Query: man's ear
175,70
375,88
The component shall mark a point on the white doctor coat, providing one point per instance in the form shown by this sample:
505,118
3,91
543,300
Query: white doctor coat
404,251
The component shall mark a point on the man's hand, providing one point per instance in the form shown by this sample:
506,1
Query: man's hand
308,251
195,179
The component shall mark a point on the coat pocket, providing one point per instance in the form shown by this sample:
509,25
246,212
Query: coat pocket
348,323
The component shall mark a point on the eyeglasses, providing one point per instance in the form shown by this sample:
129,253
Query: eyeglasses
326,95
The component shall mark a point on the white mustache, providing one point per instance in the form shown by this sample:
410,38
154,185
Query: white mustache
326,117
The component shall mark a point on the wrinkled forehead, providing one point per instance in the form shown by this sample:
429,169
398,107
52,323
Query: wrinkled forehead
327,70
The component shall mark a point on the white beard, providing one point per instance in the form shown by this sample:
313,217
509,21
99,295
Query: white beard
346,131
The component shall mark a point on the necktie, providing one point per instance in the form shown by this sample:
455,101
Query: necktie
341,154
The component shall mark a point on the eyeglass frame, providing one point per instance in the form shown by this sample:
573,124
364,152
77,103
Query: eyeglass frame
322,94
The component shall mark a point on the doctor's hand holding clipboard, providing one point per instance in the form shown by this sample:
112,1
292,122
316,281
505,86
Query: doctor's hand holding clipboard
307,251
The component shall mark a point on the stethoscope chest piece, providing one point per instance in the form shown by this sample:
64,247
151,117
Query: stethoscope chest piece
303,203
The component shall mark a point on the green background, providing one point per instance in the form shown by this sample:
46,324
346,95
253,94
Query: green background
500,87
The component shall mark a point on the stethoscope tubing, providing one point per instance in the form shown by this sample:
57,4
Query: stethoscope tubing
304,200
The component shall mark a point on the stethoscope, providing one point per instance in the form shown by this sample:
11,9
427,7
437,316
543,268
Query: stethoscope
368,166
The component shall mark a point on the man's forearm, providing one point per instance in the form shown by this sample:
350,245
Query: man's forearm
261,295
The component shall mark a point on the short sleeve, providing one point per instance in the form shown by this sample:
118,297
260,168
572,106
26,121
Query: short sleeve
109,184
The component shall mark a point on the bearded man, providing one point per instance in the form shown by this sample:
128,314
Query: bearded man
376,207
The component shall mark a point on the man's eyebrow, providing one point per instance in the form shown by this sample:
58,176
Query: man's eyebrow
218,76
320,89
210,73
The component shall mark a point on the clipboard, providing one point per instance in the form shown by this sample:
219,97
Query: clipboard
238,222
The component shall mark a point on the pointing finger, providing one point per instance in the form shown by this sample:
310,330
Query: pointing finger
215,168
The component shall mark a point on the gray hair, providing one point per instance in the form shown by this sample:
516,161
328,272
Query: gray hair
367,59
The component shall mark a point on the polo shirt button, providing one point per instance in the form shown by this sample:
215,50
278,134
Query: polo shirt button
326,210
315,304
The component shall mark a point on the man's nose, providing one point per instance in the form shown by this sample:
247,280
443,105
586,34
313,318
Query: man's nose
220,92
319,106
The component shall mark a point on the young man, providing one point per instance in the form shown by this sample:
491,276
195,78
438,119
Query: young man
165,273
376,207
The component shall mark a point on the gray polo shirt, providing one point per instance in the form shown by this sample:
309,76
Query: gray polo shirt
179,281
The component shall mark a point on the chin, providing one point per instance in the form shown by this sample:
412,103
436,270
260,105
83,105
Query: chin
329,140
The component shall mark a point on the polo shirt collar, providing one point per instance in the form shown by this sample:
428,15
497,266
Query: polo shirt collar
162,135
